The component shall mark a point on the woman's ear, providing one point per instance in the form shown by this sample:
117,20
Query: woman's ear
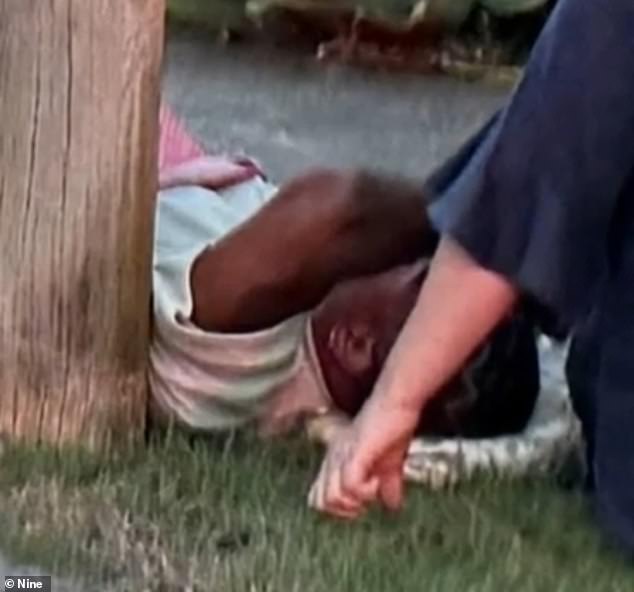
353,346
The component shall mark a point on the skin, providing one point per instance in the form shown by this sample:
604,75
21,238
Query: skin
458,307
355,327
322,228
338,244
353,330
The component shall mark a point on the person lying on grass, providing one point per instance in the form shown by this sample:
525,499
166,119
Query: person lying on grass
272,304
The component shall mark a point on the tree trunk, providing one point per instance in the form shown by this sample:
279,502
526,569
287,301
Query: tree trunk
79,100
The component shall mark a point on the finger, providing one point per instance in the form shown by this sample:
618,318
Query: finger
341,511
336,511
327,494
391,489
356,482
338,500
345,516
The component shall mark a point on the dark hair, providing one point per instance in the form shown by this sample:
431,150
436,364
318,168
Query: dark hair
496,392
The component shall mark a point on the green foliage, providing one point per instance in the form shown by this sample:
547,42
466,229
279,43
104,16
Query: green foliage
215,15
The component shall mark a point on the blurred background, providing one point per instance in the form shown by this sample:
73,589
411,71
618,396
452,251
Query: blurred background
423,35
389,84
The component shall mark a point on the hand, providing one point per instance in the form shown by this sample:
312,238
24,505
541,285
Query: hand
365,462
212,172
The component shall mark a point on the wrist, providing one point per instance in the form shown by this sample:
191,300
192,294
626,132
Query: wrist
393,405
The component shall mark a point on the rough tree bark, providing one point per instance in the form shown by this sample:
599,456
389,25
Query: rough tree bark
79,99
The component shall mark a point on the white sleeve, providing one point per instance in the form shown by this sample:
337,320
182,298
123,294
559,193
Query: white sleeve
209,380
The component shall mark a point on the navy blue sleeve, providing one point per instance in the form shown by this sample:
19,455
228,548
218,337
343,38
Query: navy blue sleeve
533,194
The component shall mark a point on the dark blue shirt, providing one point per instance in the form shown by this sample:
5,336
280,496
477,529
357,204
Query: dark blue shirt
544,194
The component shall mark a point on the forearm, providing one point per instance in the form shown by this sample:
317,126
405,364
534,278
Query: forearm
381,223
459,305
322,228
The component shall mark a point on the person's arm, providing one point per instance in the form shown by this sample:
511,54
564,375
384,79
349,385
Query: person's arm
459,305
533,198
455,286
321,228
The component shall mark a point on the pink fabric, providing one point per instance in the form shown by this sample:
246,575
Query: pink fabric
176,146
183,161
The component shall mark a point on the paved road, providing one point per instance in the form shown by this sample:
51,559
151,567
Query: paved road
290,112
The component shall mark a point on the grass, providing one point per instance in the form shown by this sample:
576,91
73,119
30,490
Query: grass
230,516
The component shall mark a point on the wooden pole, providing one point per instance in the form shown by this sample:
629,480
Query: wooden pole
79,99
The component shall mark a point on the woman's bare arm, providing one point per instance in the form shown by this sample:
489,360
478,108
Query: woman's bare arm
459,305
